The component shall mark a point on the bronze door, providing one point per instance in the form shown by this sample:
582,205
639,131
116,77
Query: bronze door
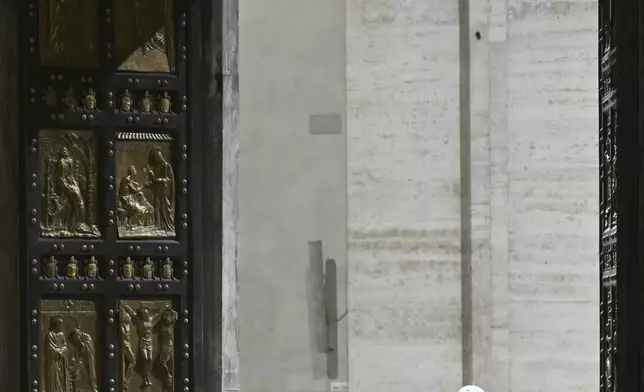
107,237
621,218
607,203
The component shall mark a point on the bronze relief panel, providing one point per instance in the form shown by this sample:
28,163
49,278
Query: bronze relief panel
69,33
144,102
67,267
145,39
68,184
147,269
69,344
70,98
146,338
146,186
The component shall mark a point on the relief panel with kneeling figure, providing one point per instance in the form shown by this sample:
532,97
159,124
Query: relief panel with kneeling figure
68,187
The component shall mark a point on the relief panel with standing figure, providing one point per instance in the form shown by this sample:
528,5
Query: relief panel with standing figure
146,335
68,171
70,339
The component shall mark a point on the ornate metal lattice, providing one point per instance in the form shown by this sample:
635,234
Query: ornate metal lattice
607,203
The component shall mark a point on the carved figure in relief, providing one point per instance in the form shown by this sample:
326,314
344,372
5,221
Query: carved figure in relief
166,340
164,102
65,183
145,105
146,271
160,179
57,377
135,209
84,346
126,101
89,101
68,351
91,268
50,267
72,268
69,185
157,42
128,269
145,209
144,324
129,359
70,98
167,271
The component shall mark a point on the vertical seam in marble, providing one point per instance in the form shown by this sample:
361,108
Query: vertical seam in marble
466,194
499,214
230,362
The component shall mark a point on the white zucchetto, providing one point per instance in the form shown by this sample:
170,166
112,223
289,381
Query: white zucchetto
471,388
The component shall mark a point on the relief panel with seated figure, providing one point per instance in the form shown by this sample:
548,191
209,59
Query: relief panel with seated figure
146,190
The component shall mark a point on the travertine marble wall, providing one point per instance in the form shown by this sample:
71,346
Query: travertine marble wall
292,189
403,195
532,109
428,106
534,152
552,195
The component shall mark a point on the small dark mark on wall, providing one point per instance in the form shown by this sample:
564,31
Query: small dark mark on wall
325,124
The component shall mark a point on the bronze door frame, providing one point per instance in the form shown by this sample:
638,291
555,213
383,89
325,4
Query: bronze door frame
197,184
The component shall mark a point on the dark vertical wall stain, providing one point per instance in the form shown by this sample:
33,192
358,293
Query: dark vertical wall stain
331,301
466,193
